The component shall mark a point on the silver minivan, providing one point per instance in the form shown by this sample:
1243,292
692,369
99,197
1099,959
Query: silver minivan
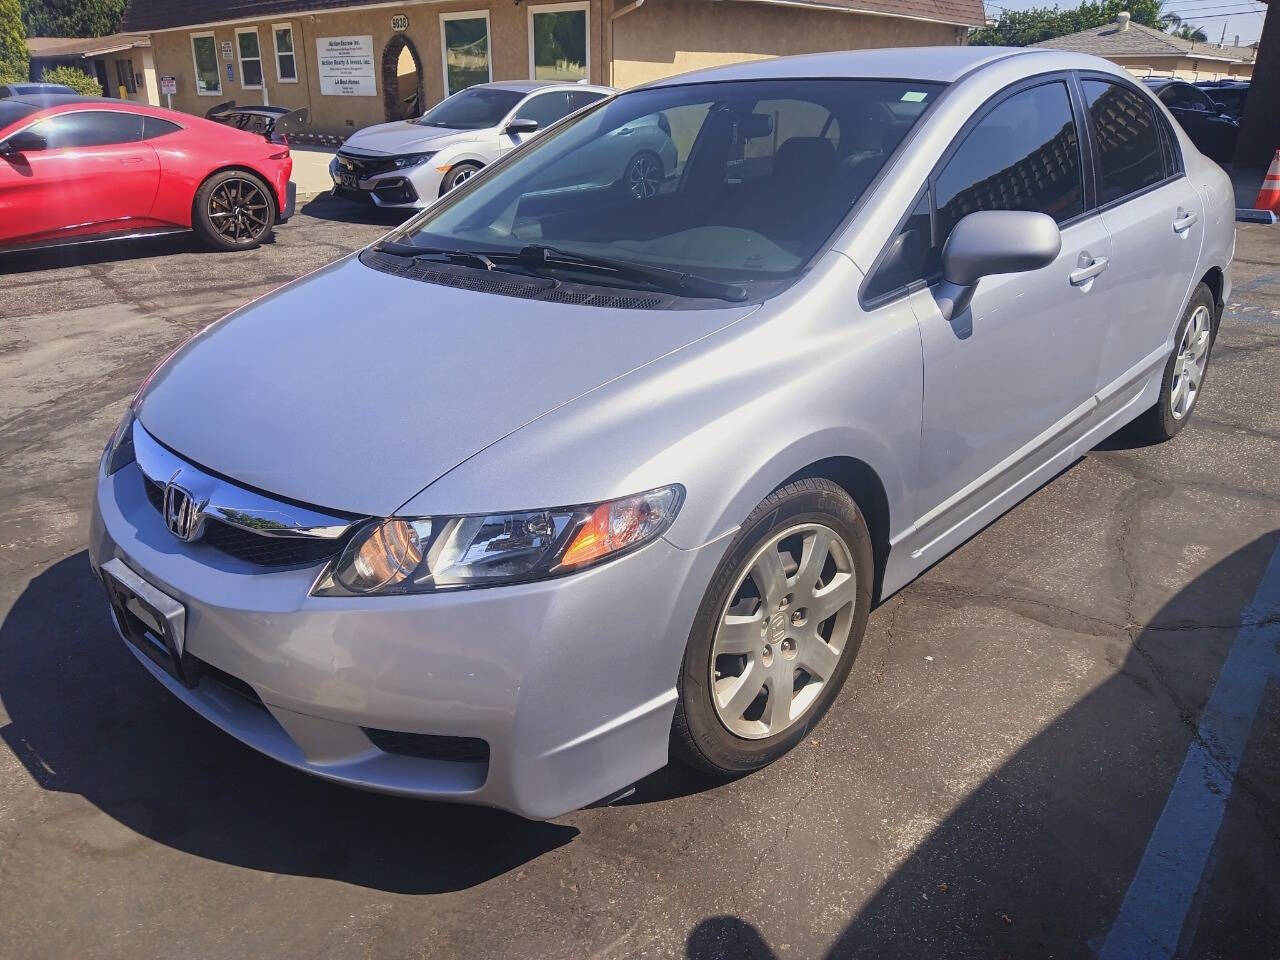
549,486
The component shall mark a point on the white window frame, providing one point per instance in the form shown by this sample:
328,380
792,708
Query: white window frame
240,59
444,50
582,5
195,66
293,53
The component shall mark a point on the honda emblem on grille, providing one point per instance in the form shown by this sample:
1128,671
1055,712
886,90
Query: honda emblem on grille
183,514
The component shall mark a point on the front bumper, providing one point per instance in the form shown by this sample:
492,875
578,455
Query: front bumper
570,682
411,188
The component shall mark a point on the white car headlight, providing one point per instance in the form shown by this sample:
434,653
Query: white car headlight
422,555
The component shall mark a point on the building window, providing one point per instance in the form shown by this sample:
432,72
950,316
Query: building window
124,74
286,62
204,54
464,42
250,58
559,47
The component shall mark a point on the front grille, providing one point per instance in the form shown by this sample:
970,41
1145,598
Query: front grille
364,167
253,547
425,746
510,285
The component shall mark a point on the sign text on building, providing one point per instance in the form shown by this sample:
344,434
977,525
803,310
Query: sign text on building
346,66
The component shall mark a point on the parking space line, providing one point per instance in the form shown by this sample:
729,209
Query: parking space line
1155,907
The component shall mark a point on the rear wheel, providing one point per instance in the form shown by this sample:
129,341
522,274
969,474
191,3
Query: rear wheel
1185,370
234,210
777,631
643,176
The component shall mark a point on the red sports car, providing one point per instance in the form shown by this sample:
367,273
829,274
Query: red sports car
82,168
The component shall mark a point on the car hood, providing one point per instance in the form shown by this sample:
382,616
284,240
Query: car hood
401,136
352,389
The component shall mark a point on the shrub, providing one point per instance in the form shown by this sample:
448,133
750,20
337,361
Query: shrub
13,44
76,79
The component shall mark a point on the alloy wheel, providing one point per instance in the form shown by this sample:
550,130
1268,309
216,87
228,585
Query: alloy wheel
461,175
643,177
782,633
239,210
1193,357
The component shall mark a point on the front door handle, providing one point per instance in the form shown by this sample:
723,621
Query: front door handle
1185,221
1088,269
131,160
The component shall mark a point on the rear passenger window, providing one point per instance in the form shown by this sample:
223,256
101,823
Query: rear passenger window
1024,154
153,127
1130,154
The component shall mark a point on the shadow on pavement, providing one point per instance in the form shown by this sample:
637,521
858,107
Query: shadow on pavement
111,251
87,719
1036,861
328,207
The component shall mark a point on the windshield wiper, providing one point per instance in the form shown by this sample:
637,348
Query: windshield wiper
673,281
398,249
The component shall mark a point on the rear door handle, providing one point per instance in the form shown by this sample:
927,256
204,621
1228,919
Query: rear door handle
1087,271
131,160
1185,220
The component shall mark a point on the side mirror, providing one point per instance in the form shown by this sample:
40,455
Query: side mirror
521,126
24,141
991,242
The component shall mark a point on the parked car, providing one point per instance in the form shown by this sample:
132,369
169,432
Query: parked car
75,168
1212,131
1229,96
409,163
548,486
24,89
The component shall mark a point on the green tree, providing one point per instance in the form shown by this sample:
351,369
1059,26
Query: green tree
14,64
1189,31
1021,28
72,18
75,78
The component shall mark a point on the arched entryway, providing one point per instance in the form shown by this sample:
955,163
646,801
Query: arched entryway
402,88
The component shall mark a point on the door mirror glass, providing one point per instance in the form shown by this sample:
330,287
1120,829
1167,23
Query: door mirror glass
991,242
25,141
521,125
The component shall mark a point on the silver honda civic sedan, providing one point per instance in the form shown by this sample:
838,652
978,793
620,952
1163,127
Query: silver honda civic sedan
548,487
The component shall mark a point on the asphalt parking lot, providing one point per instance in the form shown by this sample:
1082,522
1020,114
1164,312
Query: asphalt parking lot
1034,736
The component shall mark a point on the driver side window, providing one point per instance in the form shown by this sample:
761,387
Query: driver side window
1024,154
546,109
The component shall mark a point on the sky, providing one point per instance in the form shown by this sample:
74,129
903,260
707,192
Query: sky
1243,17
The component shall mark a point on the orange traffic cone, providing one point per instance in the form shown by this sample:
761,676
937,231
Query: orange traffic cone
1269,195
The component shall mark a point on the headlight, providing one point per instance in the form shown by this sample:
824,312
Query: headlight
413,159
119,451
400,556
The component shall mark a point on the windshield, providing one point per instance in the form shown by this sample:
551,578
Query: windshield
738,182
472,109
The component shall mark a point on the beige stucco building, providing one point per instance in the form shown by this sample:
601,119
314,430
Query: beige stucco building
121,63
357,63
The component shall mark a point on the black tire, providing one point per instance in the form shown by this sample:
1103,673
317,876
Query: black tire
1162,422
458,174
699,738
213,209
642,176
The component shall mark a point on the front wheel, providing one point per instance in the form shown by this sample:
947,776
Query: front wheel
777,631
458,174
234,210
1185,370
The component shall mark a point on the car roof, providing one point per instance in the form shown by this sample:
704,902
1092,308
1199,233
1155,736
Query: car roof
940,64
529,86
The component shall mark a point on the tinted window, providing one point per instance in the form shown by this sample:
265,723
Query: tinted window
1130,157
712,212
583,98
11,112
1023,155
472,109
155,127
546,108
1183,96
90,128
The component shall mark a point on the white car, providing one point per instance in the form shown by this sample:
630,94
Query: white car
409,163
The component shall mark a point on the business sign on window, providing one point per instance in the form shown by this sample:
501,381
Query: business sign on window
346,66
